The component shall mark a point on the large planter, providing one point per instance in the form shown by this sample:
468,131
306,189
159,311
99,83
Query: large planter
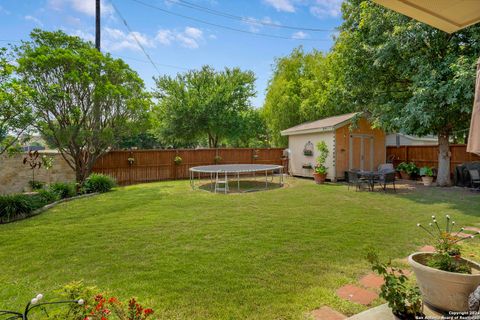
427,181
404,175
319,177
446,291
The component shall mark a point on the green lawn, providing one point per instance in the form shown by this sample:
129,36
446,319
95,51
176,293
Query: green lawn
196,255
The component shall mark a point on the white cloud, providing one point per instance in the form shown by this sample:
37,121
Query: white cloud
193,33
165,36
115,40
83,6
255,24
326,8
189,38
84,35
34,20
281,5
299,35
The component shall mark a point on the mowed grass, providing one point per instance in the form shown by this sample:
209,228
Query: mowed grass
189,254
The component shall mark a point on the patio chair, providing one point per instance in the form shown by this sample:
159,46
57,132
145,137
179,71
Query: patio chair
386,167
387,178
474,178
355,181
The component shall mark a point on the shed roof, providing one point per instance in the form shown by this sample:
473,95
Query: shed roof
322,125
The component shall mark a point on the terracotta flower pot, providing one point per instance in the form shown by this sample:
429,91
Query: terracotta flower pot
446,291
319,177
427,181
404,175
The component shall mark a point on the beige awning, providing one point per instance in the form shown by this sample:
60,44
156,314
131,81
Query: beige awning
446,15
474,134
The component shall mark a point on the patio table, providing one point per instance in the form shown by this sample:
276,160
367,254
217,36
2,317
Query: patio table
370,177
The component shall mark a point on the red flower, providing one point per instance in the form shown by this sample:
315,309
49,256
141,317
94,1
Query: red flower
148,311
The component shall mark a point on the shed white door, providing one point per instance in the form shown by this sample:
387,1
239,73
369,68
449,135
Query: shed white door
361,152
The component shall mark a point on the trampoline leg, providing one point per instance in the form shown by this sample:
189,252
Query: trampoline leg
266,179
238,181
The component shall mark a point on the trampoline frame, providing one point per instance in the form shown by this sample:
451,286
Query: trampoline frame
234,169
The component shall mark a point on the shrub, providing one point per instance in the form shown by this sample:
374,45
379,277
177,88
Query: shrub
98,305
403,298
426,172
36,185
409,168
64,189
48,196
97,182
12,206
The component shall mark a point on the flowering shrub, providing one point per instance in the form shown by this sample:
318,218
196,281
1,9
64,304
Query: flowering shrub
97,306
403,298
447,255
111,308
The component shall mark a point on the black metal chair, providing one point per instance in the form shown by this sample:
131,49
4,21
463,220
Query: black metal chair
355,181
385,178
474,178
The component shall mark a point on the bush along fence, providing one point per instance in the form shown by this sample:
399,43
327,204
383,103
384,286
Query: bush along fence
427,156
19,206
137,166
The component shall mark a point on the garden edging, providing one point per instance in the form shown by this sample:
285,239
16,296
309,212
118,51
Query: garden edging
49,206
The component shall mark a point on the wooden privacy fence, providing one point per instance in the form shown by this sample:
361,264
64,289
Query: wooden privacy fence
428,155
156,165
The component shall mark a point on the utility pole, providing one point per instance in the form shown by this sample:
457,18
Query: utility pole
97,24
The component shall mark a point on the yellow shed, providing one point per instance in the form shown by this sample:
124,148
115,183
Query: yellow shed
351,147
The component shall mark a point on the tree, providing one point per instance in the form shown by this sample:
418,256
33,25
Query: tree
83,100
202,105
298,92
251,132
411,77
15,115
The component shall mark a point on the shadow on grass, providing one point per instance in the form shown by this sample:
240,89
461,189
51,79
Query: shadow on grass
242,187
457,198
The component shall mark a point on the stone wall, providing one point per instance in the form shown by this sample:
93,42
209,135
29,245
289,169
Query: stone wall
14,175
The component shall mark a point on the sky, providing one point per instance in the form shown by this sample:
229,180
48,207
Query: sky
179,35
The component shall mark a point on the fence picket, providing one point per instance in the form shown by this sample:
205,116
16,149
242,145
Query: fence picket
157,165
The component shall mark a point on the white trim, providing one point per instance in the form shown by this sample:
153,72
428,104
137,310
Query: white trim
306,131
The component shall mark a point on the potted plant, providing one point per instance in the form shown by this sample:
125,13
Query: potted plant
178,160
407,170
320,170
403,299
445,278
427,176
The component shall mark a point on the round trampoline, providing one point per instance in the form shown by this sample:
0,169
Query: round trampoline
219,175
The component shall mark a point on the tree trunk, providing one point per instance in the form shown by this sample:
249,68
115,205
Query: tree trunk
443,176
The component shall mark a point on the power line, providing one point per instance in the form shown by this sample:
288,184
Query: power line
243,19
134,36
146,61
223,26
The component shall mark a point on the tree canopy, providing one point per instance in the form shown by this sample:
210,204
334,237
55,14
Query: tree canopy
15,114
298,91
83,100
204,105
408,76
411,77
